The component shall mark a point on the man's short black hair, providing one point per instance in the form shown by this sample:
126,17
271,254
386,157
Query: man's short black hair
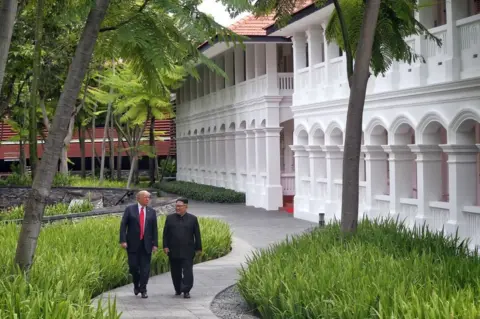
183,200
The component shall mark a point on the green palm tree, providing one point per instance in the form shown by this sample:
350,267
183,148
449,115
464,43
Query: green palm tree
134,104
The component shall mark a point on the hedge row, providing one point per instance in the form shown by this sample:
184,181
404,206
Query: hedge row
202,192
17,212
384,271
76,261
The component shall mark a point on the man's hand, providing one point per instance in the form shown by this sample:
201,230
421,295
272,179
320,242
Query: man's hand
124,245
166,250
154,249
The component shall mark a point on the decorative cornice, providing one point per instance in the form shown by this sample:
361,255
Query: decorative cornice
460,149
425,148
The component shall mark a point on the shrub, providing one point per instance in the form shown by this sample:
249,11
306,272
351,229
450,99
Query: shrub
202,192
78,260
62,180
17,212
385,271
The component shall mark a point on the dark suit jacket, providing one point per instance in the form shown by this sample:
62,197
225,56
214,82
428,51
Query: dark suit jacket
130,229
181,235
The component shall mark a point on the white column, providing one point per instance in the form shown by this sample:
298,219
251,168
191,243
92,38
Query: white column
250,61
429,179
260,59
206,81
220,80
453,45
376,176
301,198
221,160
230,160
274,191
213,159
401,178
229,69
317,170
299,54
240,159
260,167
208,167
334,162
250,154
271,68
462,177
420,69
239,64
315,40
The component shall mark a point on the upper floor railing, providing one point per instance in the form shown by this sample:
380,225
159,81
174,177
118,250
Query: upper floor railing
244,91
327,80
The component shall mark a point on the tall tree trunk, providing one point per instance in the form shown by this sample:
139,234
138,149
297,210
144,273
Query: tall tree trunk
66,145
21,161
133,163
42,183
119,155
105,129
34,91
153,158
353,133
81,139
92,138
111,146
8,12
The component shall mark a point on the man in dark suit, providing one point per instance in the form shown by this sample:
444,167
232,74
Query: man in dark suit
181,240
139,236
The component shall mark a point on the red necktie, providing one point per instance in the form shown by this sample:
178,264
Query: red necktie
142,223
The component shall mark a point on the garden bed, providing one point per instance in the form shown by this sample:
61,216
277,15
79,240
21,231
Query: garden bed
76,261
200,192
385,271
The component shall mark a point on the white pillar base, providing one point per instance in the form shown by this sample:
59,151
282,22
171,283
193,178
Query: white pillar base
273,199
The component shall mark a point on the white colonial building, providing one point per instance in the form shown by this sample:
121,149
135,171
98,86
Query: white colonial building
276,126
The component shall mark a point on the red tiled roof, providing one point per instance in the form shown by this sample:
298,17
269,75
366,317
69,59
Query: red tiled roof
250,25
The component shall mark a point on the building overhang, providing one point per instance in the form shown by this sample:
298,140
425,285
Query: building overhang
302,19
216,46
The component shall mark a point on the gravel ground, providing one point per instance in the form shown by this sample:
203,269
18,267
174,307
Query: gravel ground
229,304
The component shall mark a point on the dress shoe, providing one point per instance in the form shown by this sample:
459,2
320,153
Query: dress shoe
136,291
144,295
186,295
177,293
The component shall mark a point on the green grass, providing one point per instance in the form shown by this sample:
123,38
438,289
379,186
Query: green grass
385,271
78,260
17,212
62,180
200,192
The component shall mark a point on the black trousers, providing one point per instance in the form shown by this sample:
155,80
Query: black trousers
179,267
139,264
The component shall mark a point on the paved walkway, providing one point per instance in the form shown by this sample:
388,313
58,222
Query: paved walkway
252,229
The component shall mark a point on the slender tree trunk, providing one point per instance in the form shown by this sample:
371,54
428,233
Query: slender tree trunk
152,159
92,138
81,139
119,155
34,90
8,12
111,146
353,133
133,163
66,145
22,157
105,129
42,183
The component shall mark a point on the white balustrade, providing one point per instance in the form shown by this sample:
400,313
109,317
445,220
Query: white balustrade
288,183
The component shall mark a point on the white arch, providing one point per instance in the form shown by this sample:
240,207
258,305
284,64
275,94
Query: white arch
459,135
313,134
421,130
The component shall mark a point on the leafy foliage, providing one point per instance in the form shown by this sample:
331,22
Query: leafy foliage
17,212
202,192
396,22
385,271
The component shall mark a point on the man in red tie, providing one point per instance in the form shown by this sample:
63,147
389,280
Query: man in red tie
139,236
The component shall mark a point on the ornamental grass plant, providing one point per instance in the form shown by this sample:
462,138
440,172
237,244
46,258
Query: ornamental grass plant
17,212
200,192
384,271
78,260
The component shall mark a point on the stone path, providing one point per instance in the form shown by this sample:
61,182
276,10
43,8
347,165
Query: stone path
252,229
